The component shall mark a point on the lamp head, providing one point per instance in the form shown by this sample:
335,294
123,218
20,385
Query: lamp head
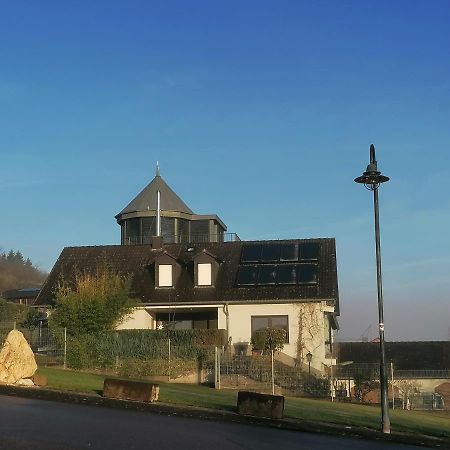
372,177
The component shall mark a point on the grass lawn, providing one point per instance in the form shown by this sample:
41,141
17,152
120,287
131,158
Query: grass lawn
434,423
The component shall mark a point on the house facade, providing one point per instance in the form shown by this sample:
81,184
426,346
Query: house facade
190,273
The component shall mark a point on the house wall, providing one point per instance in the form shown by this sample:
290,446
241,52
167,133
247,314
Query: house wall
138,319
314,327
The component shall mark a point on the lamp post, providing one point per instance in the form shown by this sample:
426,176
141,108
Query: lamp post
309,358
372,179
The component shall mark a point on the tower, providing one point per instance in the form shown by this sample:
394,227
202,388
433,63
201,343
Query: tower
138,220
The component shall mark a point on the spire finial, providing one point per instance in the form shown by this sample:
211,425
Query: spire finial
372,154
158,174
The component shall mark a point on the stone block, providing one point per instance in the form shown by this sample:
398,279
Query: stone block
39,380
260,405
130,390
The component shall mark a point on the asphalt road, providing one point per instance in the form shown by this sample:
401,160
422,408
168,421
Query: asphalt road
43,425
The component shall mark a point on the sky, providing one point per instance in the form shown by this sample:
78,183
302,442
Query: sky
259,111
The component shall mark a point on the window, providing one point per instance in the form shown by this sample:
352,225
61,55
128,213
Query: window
260,323
165,275
204,277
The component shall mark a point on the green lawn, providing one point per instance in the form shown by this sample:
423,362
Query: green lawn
435,423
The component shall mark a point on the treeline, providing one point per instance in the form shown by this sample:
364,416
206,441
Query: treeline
16,272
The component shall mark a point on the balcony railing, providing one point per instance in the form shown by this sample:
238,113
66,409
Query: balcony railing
183,239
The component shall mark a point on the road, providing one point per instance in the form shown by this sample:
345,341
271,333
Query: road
43,425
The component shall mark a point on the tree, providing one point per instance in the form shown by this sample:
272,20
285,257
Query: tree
408,389
93,303
268,340
16,272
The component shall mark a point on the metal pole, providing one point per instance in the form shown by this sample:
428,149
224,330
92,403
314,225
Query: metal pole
386,424
392,383
169,359
273,377
65,348
158,214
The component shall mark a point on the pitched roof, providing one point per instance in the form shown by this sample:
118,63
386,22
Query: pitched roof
146,199
413,355
138,260
21,293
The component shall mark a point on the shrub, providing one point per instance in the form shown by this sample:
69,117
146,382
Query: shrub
95,303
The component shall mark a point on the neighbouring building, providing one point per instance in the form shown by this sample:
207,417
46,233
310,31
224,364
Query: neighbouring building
25,296
196,275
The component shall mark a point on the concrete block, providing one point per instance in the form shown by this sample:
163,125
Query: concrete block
260,405
130,390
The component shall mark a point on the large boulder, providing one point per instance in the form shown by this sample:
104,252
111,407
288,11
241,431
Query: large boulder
16,359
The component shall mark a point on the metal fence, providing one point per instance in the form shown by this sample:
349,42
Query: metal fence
49,346
263,374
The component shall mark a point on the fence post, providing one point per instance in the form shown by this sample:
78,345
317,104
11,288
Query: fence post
169,358
116,352
65,348
273,375
392,384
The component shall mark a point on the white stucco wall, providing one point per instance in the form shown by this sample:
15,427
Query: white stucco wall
314,333
138,319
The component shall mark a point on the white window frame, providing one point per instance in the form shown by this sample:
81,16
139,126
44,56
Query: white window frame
165,275
204,274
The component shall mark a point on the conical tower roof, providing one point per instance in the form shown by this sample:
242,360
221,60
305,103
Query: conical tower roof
146,199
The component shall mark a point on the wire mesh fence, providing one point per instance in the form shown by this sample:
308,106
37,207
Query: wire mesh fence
48,345
261,373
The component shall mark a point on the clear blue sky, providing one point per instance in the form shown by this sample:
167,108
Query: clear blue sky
261,112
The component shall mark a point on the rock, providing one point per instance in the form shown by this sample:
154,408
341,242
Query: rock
39,380
24,382
16,359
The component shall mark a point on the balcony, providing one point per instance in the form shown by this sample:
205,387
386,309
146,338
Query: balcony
183,239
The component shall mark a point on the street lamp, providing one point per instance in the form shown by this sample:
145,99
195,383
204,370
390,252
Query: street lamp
372,179
309,358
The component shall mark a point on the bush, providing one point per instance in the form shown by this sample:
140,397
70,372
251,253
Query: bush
144,350
269,339
95,303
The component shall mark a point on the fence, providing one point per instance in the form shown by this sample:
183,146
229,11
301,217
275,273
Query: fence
262,374
49,346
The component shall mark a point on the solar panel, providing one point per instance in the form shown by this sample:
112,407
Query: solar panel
286,274
270,253
289,252
267,274
251,253
309,251
247,275
307,274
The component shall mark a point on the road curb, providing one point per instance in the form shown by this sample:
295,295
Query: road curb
226,416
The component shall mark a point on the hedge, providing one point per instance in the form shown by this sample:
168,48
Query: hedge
144,352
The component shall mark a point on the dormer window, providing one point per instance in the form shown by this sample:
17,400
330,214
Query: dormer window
165,275
204,274
206,268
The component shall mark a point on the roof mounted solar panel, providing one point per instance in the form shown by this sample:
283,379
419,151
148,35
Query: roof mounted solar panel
307,273
270,253
247,276
267,274
309,251
289,252
251,253
287,274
